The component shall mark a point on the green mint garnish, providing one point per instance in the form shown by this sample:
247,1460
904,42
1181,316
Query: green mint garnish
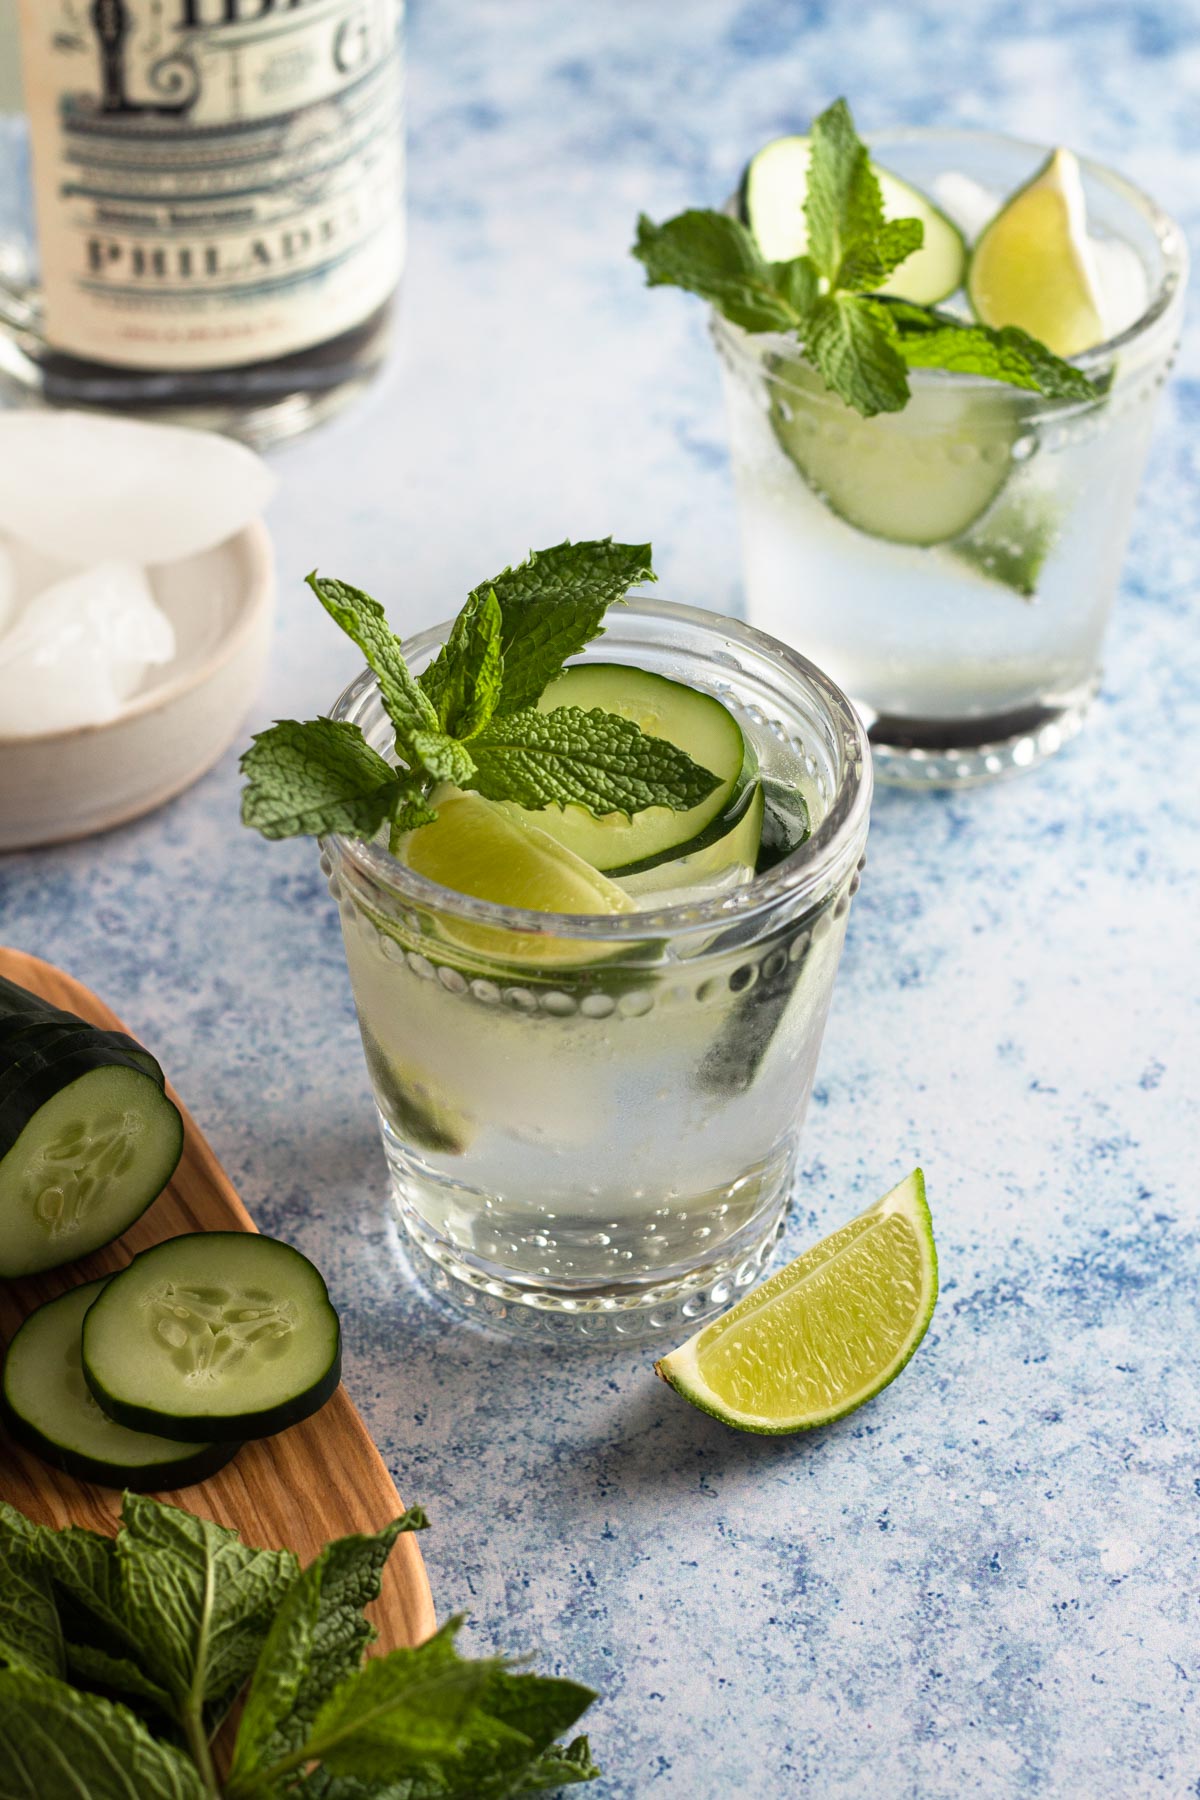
862,344
594,759
469,720
135,1649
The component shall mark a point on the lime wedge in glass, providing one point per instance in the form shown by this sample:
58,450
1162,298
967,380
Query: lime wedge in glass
485,851
1033,265
824,1334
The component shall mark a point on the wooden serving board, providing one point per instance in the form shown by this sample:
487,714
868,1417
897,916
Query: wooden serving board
322,1479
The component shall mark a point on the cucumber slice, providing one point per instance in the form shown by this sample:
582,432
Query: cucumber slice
1011,543
22,1041
921,476
47,1407
411,1106
786,824
724,846
215,1334
684,716
85,1146
16,1001
25,1085
771,203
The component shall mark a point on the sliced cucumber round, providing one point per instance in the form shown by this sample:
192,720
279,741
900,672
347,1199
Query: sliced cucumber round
786,824
47,1407
684,716
920,476
722,848
86,1144
771,201
215,1334
21,1040
27,1022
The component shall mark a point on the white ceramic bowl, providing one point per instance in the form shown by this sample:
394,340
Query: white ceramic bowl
66,784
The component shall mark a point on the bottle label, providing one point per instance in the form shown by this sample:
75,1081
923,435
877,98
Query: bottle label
217,182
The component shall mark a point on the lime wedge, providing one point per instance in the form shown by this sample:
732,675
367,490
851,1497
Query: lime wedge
479,849
1033,265
824,1334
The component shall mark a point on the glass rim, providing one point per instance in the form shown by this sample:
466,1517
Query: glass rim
810,871
1168,234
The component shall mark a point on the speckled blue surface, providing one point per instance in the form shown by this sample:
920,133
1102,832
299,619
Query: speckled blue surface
984,1583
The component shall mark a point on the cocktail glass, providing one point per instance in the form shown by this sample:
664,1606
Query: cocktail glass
591,1123
953,566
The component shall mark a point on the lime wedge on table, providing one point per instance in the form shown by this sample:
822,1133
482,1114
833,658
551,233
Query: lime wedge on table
1033,265
824,1334
479,849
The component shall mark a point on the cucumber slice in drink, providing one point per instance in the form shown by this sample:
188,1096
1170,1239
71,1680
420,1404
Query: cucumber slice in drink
1011,542
86,1144
412,1106
786,824
213,1335
921,476
724,847
48,1408
771,202
684,716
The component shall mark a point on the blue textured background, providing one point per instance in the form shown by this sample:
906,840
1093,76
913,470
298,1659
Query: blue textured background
986,1581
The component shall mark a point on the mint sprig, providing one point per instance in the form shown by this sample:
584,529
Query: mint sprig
143,1643
470,719
862,343
594,759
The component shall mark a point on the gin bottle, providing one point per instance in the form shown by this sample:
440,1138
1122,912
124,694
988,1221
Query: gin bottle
201,212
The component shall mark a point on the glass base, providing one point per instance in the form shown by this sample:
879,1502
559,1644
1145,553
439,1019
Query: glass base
261,403
621,1313
924,753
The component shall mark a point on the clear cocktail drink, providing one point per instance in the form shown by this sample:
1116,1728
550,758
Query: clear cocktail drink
591,1122
953,565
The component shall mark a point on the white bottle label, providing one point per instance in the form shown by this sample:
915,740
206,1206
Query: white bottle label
218,182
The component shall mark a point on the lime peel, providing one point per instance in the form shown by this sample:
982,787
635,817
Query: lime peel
824,1334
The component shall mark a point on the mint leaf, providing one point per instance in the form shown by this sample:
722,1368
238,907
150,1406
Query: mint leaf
465,679
401,1715
868,263
561,1767
316,777
58,1744
90,1665
30,1634
713,255
593,759
799,282
553,604
842,206
852,341
930,339
80,1565
444,757
317,1639
531,1711
284,1663
365,622
198,1599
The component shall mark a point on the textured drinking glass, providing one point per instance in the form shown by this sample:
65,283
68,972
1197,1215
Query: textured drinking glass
591,1124
953,565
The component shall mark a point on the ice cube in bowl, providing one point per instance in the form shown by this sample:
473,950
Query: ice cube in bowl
68,782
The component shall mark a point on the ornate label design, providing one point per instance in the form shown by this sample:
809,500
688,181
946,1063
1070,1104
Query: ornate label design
218,182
